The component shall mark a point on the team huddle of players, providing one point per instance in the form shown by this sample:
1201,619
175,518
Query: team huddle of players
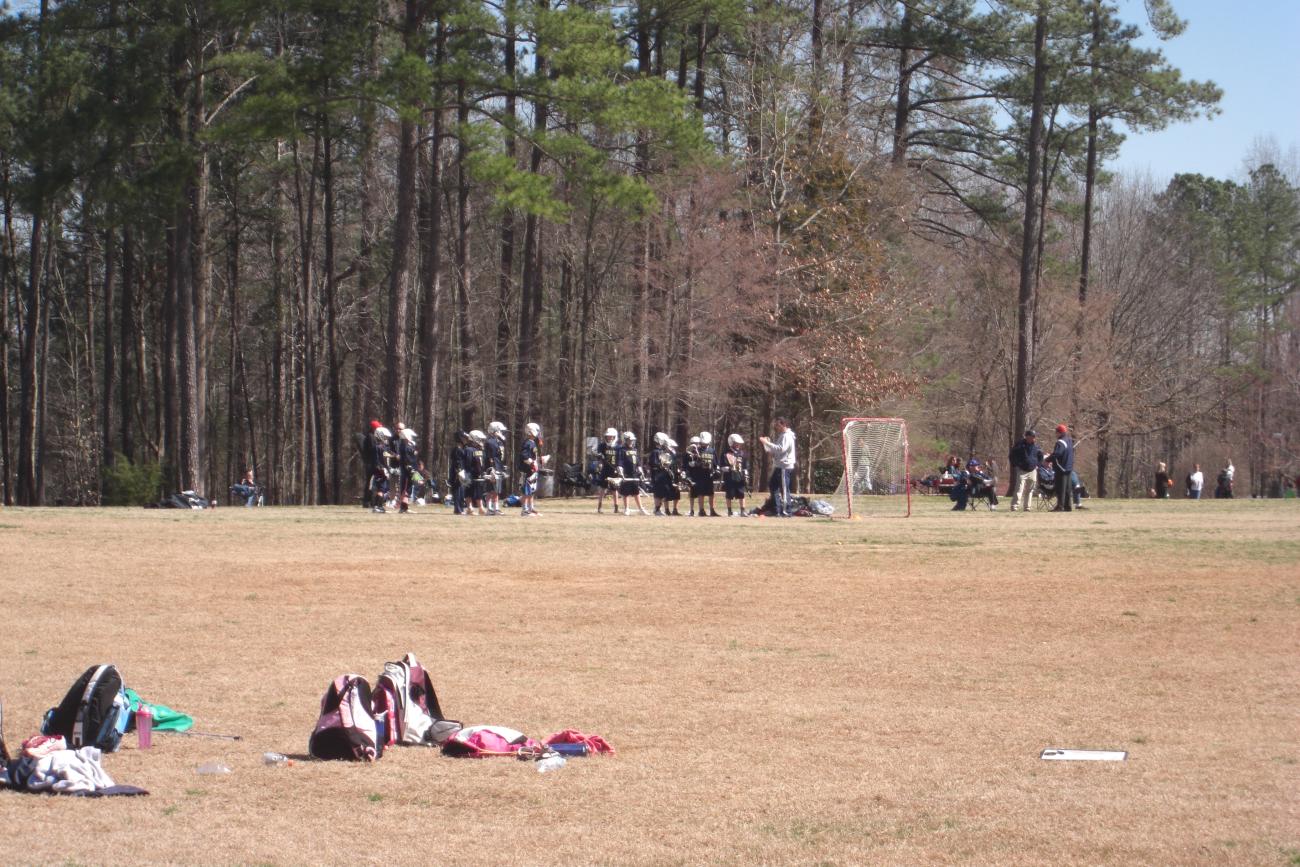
621,473
477,474
476,469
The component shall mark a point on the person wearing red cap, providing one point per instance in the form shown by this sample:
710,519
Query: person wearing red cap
1063,464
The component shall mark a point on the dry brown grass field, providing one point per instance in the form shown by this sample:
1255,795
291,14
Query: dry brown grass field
779,692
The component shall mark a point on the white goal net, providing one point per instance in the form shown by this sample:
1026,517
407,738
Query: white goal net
876,475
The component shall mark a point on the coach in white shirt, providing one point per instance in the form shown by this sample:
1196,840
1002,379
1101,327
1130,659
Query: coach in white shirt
783,457
1195,481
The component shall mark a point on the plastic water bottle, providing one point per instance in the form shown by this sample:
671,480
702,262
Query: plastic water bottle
212,768
276,760
144,727
550,763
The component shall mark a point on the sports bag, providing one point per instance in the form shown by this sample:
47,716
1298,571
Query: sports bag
481,741
346,728
94,713
405,699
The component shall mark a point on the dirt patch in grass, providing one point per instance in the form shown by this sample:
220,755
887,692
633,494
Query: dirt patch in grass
779,691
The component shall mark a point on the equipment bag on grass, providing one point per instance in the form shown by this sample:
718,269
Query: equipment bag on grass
346,728
406,700
94,713
482,741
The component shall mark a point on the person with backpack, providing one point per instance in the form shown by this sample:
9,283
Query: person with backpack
1025,457
1062,460
496,462
530,468
735,473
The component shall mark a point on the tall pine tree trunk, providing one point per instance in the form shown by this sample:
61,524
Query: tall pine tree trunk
431,261
1025,297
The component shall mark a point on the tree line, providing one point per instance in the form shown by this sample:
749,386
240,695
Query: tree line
235,231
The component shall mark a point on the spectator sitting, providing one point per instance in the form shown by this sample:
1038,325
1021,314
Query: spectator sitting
246,489
973,484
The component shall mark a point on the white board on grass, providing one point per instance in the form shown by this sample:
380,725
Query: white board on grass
1052,754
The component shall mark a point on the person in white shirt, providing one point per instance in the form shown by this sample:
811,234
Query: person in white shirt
1195,481
783,459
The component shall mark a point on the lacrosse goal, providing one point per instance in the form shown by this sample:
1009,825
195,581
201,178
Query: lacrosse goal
876,473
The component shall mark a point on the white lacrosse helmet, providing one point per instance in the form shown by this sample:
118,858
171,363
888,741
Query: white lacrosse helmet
661,439
611,433
629,437
407,434
736,440
497,429
533,429
672,444
383,433
706,438
477,436
695,441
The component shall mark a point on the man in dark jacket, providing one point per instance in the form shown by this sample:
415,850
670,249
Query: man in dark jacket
1063,464
1025,458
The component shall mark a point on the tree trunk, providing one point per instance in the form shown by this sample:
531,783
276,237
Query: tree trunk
1025,297
530,298
331,326
403,232
505,281
106,396
126,336
463,327
431,263
903,102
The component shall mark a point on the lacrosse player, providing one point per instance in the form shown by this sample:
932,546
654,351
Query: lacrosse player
607,451
735,469
530,467
629,467
409,461
663,476
457,475
477,467
380,438
496,446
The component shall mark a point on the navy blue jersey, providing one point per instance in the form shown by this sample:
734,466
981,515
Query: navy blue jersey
608,454
475,460
629,462
1026,456
495,454
528,456
407,455
735,463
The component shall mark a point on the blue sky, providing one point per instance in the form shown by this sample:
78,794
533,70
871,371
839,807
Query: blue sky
1251,49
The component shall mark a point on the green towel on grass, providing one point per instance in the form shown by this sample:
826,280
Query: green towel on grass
164,718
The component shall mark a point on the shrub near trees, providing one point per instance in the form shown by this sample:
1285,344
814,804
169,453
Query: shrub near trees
233,232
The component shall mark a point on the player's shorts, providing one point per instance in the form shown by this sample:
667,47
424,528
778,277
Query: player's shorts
701,487
734,490
629,487
477,489
663,485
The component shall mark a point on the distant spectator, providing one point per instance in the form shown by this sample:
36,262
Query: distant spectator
1062,461
1195,481
246,489
1163,482
1025,457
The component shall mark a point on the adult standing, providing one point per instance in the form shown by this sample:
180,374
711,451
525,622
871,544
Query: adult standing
1063,464
1026,456
1195,482
1162,481
783,455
